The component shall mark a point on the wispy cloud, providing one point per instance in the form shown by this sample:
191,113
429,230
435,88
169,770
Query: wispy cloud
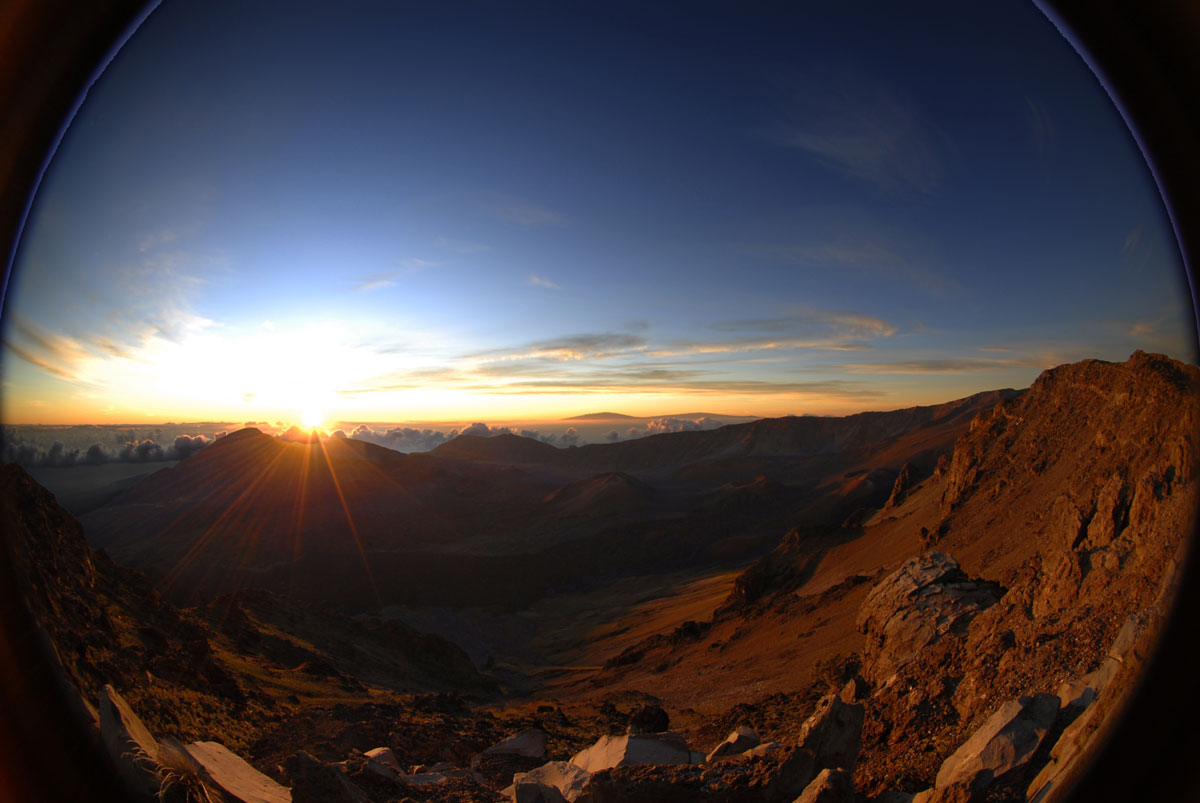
379,281
54,353
1132,239
39,361
569,347
154,239
953,365
538,281
869,133
1041,126
865,248
461,246
844,390
840,322
522,211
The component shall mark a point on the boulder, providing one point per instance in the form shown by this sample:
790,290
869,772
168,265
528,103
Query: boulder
564,777
130,746
763,750
959,792
1003,746
375,780
1075,694
432,776
634,748
892,796
536,793
1070,746
855,690
236,778
737,742
315,782
833,733
915,606
530,743
649,719
830,786
776,779
384,757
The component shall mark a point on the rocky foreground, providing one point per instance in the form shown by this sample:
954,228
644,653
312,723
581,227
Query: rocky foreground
1023,750
998,610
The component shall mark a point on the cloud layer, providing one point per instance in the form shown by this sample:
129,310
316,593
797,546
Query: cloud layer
32,455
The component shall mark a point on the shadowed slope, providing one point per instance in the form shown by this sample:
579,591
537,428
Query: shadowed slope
501,520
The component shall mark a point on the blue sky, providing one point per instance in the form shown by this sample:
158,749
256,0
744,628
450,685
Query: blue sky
504,211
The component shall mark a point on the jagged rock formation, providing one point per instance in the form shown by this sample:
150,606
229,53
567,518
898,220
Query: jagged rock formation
833,733
1005,574
926,598
904,481
830,786
1003,746
1075,498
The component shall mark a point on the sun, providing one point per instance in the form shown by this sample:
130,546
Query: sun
312,418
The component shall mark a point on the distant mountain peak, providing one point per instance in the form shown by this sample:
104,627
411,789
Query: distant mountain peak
600,417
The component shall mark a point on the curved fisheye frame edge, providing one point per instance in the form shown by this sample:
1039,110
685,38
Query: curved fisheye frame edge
1142,53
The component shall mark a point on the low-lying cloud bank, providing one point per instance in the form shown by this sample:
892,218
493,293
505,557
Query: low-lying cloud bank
32,455
79,446
410,439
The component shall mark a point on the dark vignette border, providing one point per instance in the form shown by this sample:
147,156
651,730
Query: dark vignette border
51,51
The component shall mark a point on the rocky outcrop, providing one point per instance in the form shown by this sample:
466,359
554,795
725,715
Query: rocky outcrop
649,719
833,733
779,778
566,779
222,769
1003,746
904,482
1088,703
130,746
383,761
926,598
530,743
830,786
316,782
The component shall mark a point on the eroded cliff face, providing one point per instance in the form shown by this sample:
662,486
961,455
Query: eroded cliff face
1078,499
1039,558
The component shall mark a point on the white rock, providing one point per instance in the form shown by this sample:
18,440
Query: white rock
1003,744
1075,694
569,779
632,749
133,750
237,778
737,742
384,756
763,750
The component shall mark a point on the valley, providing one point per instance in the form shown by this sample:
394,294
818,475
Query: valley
305,603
